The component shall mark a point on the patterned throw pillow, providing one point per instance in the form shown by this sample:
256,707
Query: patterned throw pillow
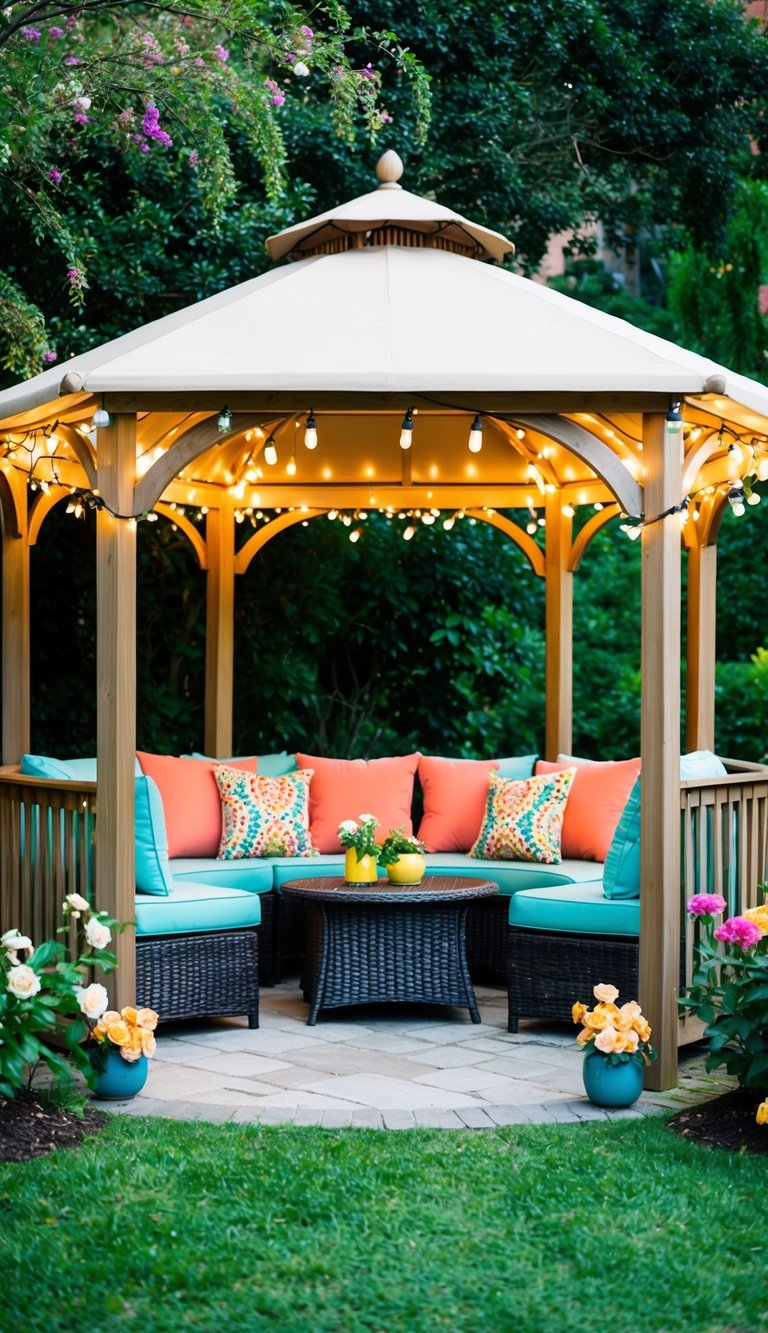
263,816
523,819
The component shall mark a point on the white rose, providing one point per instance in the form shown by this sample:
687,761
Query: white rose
300,69
82,102
93,1000
368,819
13,941
97,934
23,982
347,826
75,903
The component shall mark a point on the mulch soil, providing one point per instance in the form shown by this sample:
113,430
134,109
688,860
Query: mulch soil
725,1122
30,1127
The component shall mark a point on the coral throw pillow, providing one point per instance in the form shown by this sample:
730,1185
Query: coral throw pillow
190,801
524,818
263,816
347,788
595,805
455,793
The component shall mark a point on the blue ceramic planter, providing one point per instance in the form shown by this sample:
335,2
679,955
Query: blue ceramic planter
611,1084
121,1078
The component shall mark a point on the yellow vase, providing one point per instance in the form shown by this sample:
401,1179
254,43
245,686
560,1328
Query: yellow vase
409,868
364,871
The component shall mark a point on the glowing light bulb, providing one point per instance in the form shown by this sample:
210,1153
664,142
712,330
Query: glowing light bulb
270,452
476,436
290,467
409,532
355,534
754,499
567,511
406,430
310,432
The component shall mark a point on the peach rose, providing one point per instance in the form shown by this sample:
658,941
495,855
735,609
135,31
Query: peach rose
632,1041
23,982
148,1019
131,1054
605,1040
642,1028
148,1044
578,1011
631,1009
605,993
596,1019
118,1033
129,1013
584,1036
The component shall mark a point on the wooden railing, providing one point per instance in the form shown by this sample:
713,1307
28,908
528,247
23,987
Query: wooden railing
46,850
724,848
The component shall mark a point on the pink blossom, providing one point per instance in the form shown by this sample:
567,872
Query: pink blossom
199,61
71,60
182,47
151,126
737,930
125,118
55,34
81,118
55,175
71,21
277,96
31,34
368,72
307,33
706,904
221,53
50,355
194,158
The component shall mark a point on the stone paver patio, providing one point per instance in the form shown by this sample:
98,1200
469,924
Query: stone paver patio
394,1068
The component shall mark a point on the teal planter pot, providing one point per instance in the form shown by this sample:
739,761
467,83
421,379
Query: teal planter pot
121,1078
611,1085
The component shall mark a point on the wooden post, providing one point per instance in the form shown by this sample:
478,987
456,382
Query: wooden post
660,749
116,693
559,631
220,629
15,623
700,670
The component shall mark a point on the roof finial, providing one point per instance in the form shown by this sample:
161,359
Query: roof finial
389,169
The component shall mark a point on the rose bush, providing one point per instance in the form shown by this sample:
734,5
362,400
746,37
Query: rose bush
47,1004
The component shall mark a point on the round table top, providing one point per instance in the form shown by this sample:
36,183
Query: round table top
432,889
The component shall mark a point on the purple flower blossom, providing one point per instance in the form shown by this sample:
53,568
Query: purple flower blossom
737,930
151,126
307,33
50,356
368,72
221,53
31,34
194,158
199,61
71,60
277,96
75,278
706,904
54,175
81,118
125,118
71,21
55,34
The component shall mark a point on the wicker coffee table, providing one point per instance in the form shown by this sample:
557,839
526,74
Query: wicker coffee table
383,942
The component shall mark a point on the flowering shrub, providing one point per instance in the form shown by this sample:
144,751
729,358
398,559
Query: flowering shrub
398,843
620,1034
131,1031
44,996
359,833
729,992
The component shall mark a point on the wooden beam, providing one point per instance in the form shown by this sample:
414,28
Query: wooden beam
701,642
220,629
660,750
607,464
298,401
559,630
116,693
15,622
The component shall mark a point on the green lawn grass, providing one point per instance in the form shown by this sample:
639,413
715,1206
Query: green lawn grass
161,1225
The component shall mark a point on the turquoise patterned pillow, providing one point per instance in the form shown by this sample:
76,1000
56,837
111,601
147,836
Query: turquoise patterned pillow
263,816
524,819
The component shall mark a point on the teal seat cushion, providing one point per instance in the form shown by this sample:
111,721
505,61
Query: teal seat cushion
153,872
621,873
579,909
267,765
62,770
194,908
307,867
511,876
251,874
518,766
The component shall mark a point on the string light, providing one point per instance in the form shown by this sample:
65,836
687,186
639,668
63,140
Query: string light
101,418
223,421
310,431
270,452
406,430
476,435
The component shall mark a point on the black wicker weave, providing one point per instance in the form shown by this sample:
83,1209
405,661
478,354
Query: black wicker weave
387,943
210,975
548,973
487,925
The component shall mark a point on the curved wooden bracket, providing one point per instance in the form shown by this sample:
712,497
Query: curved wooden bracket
276,525
44,502
83,451
603,460
188,528
530,549
590,530
184,450
9,510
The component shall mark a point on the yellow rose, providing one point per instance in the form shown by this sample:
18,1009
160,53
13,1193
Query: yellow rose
148,1019
619,1042
759,917
111,1016
642,1028
129,1013
578,1011
596,1020
584,1036
762,1113
147,1042
133,1044
632,1041
605,993
118,1033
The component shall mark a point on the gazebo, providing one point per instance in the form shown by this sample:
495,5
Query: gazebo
391,364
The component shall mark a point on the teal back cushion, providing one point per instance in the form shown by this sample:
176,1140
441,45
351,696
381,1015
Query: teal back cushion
62,770
267,765
153,871
519,766
621,874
